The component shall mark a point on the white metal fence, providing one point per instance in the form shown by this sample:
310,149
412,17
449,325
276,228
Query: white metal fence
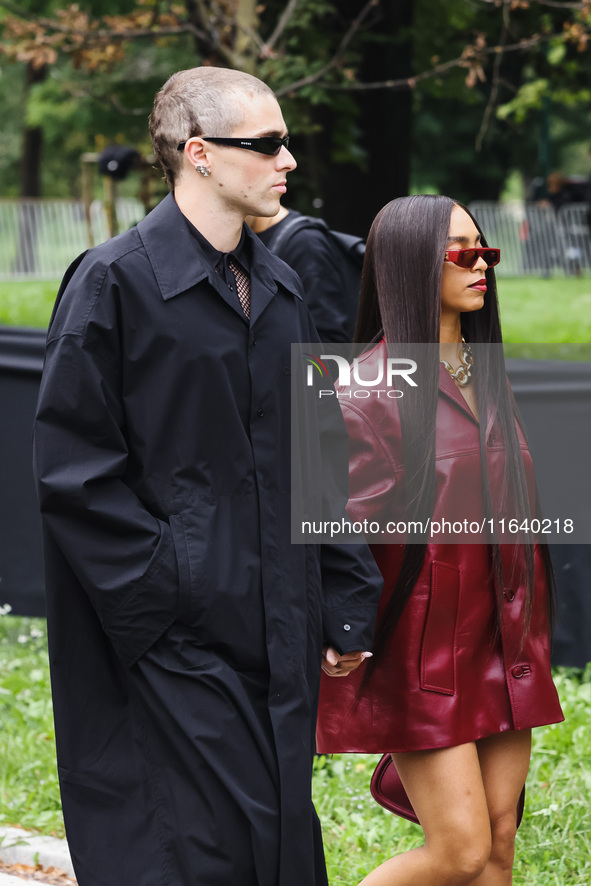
39,238
537,240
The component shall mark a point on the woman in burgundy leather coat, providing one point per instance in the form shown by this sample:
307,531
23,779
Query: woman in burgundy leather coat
461,666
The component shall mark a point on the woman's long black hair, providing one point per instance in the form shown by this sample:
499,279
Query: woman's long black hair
401,301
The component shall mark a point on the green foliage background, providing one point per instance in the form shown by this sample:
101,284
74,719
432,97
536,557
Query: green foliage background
81,110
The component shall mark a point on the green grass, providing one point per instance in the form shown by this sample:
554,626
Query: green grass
545,310
532,309
554,841
29,793
27,303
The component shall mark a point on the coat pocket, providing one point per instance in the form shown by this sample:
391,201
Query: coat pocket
182,556
217,545
438,646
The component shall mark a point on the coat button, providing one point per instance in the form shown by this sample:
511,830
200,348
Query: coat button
260,412
346,627
509,595
518,672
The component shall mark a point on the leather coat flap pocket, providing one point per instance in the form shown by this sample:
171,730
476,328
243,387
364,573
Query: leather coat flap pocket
438,646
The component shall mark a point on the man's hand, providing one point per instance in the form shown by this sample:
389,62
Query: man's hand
336,665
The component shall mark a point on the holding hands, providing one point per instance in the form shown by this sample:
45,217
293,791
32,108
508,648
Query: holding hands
336,665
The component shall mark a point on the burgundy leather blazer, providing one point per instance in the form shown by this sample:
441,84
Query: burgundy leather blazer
448,676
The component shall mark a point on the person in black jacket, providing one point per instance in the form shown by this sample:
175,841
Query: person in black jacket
185,630
312,255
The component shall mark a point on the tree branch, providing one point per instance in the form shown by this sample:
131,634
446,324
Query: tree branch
16,11
127,112
555,4
84,38
203,12
314,78
281,25
206,40
104,33
436,71
245,24
492,99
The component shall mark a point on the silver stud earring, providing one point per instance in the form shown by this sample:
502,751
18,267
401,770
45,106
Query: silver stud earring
203,170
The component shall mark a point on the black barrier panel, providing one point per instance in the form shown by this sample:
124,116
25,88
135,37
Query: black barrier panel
572,637
21,562
554,399
560,386
550,398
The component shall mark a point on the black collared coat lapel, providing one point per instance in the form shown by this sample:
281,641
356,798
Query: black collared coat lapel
179,263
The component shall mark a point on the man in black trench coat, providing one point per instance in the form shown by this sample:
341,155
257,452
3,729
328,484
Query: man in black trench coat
186,632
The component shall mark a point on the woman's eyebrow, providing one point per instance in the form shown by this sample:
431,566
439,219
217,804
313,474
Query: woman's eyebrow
460,239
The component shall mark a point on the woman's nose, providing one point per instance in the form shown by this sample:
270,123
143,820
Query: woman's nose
480,265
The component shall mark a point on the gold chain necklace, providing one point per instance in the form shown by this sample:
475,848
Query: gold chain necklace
463,374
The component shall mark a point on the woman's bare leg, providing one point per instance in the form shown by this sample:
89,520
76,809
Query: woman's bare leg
446,790
504,762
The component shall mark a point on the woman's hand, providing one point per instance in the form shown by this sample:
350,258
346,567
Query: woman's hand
336,665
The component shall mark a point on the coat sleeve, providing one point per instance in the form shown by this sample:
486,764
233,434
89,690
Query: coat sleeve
122,556
351,588
352,582
351,579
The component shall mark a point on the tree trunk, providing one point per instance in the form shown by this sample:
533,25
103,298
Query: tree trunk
31,156
353,195
246,23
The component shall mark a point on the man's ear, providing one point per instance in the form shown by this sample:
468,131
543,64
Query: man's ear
196,151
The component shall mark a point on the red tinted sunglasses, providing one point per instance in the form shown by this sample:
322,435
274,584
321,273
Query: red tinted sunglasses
467,258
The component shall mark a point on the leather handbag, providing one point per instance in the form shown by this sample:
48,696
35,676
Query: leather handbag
387,790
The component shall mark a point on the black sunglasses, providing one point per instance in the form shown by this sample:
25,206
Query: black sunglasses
268,144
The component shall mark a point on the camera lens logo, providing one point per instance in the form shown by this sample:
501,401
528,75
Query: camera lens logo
314,363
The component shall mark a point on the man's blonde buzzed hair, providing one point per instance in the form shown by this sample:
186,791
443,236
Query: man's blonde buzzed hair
199,101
